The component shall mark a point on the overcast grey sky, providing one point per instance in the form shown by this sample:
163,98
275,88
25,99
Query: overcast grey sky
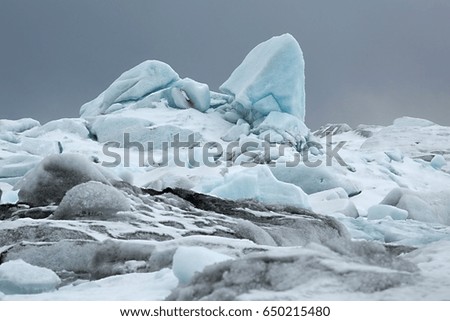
366,61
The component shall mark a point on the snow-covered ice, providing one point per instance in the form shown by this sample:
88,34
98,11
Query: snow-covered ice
266,216
19,277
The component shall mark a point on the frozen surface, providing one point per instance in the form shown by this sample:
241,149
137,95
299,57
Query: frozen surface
19,277
373,225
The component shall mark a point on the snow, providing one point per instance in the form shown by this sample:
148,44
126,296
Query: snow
19,277
411,137
133,286
271,78
189,260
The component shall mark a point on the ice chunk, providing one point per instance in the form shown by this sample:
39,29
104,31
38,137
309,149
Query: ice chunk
187,93
330,207
332,129
381,211
189,260
111,128
314,179
17,165
248,230
66,125
258,183
54,176
7,195
91,199
438,162
329,195
290,128
19,277
17,126
395,155
432,207
233,134
271,78
148,77
411,121
9,137
133,132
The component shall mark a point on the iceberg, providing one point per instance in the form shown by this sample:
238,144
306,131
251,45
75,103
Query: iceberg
146,78
259,183
19,277
150,82
271,78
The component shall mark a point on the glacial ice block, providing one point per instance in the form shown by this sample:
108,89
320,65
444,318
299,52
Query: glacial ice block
148,77
271,78
19,277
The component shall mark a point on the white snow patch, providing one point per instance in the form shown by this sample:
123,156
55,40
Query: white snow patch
189,260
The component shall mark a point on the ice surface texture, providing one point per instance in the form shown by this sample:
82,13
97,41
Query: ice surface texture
54,176
19,277
258,183
377,228
134,84
91,200
271,78
134,88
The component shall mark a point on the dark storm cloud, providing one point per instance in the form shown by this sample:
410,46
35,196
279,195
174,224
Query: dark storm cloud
366,61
